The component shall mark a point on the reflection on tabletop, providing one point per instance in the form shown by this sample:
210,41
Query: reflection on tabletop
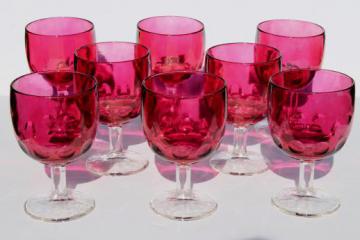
279,162
77,173
287,167
255,135
200,172
227,160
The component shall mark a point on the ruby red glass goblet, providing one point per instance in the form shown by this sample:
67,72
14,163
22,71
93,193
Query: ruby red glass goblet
300,43
51,42
246,68
176,43
55,115
183,116
310,116
119,68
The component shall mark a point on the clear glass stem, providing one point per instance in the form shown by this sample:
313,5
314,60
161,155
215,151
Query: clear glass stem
306,178
183,180
116,142
58,176
240,139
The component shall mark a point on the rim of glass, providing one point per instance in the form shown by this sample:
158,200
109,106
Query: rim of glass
271,82
88,90
57,35
166,34
277,58
146,54
291,20
213,93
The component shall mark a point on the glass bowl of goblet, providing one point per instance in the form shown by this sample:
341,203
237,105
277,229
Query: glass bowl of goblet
301,43
51,42
176,43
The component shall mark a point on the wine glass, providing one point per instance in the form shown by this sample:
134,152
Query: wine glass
310,113
51,42
119,68
54,133
176,43
246,68
183,116
300,43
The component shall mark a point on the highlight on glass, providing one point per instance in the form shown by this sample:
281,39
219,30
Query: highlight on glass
183,116
304,126
119,68
51,42
246,68
55,115
176,43
300,43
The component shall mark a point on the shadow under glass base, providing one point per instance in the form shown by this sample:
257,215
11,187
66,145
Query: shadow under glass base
176,207
313,204
46,209
115,164
227,163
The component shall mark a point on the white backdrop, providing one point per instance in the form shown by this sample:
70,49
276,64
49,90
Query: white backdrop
225,21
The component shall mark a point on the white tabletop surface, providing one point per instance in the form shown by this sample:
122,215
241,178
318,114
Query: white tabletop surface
122,203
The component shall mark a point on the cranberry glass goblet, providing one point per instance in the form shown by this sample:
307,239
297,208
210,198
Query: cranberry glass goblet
176,43
51,42
246,68
183,116
119,68
310,116
300,43
54,115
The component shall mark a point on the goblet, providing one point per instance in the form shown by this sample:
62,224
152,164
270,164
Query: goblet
51,42
246,68
300,43
176,43
183,116
310,113
54,115
119,68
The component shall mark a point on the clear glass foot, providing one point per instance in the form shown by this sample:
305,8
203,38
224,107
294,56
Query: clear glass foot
312,204
227,163
177,207
66,209
115,164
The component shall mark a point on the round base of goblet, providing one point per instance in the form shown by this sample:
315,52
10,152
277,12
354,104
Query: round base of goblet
115,164
65,209
177,207
312,204
226,162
